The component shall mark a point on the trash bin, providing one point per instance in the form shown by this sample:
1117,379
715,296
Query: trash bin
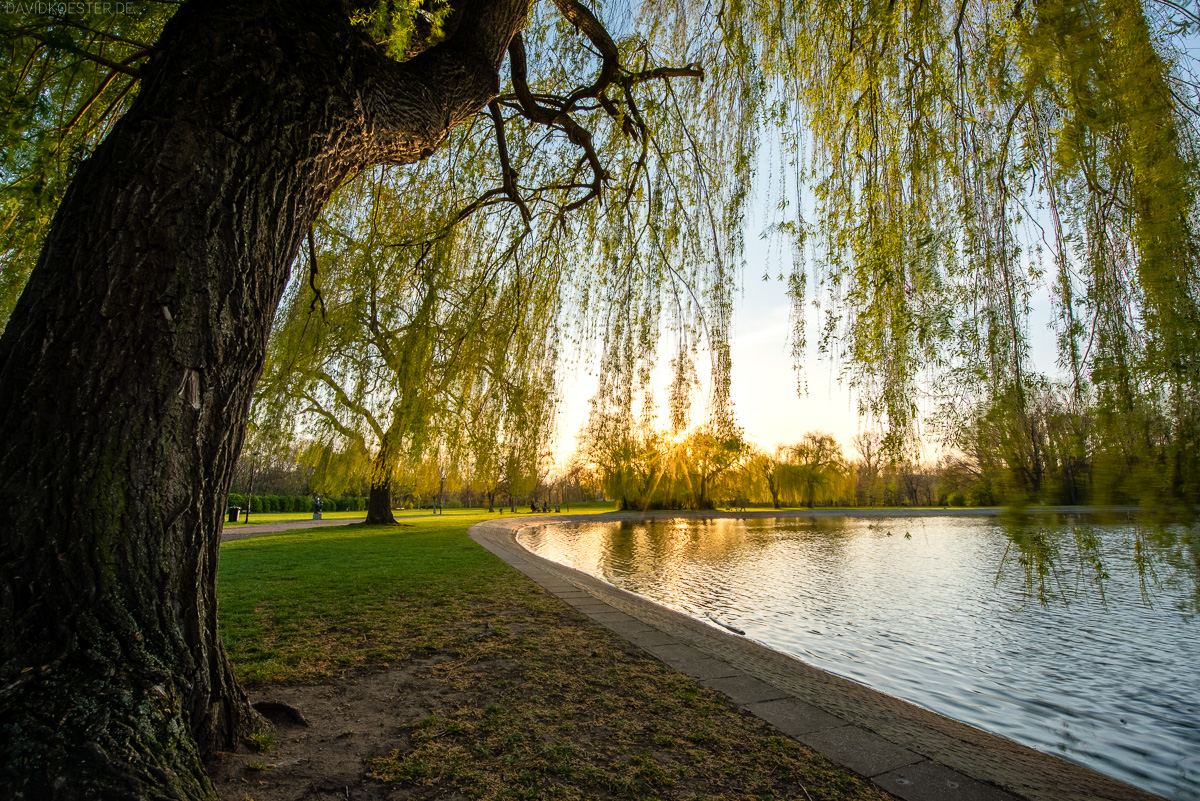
235,512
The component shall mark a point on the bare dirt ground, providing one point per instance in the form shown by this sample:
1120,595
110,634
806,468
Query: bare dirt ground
349,721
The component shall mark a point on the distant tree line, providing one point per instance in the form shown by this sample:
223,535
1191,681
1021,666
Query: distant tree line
1051,444
1047,447
287,477
1049,454
296,503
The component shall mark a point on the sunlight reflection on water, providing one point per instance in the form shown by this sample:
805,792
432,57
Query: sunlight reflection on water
947,613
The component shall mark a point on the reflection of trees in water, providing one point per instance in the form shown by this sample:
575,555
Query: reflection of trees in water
1061,563
1177,550
647,551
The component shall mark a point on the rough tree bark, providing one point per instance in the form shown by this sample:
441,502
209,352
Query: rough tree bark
379,499
126,372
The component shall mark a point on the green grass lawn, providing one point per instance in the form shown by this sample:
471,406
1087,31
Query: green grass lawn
546,702
309,603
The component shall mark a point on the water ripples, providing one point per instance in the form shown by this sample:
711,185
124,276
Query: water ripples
947,617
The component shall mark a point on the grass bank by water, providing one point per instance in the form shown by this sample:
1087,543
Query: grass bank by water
523,697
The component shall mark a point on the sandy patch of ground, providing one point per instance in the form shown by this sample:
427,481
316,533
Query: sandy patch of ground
350,720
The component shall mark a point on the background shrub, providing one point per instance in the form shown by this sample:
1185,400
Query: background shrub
260,504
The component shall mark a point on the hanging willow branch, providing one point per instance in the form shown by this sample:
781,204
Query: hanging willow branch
312,275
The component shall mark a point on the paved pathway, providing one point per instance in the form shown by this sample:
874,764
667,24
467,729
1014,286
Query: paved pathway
258,529
911,752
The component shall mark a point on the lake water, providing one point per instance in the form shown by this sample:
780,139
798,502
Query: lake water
1076,639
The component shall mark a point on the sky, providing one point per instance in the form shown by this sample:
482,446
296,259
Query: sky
763,385
764,381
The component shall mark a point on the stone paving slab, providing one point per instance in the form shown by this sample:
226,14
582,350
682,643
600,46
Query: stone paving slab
707,668
860,750
928,781
631,629
586,599
675,652
694,663
851,724
793,717
564,591
610,616
743,689
611,619
653,637
584,606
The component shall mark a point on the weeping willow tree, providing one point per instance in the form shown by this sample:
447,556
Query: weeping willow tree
649,469
507,246
807,472
400,350
64,83
188,154
943,165
966,156
812,469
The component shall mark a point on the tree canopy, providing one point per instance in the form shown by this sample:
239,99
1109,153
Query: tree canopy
938,165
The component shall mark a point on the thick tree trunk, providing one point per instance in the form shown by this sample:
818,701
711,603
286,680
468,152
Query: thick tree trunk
379,501
379,505
774,490
127,368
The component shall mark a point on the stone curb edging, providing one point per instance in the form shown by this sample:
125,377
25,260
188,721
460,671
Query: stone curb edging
912,753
